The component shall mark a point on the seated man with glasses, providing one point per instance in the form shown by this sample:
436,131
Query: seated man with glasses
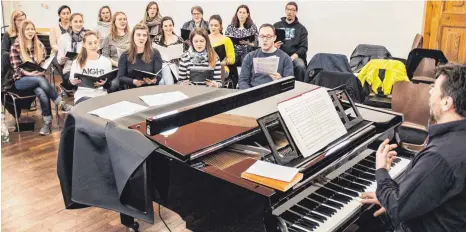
295,44
248,78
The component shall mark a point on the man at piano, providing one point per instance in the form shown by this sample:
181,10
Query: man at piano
432,194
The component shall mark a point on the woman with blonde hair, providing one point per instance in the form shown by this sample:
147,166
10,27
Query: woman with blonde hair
91,63
17,17
200,54
140,56
152,18
119,39
29,48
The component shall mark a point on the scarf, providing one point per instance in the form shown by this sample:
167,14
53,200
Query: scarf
104,24
76,38
153,25
192,25
198,57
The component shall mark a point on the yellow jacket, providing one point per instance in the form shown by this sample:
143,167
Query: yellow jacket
394,71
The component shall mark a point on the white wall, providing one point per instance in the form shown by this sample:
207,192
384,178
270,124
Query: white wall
333,26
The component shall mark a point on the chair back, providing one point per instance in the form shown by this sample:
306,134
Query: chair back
418,41
422,62
412,100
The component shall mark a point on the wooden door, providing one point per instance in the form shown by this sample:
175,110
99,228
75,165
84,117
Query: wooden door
445,28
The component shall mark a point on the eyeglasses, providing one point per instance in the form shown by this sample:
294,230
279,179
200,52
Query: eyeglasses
289,9
268,37
196,14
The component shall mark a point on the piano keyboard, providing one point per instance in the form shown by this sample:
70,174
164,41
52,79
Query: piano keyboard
335,202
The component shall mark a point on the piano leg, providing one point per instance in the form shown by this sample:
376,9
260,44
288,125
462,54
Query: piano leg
129,222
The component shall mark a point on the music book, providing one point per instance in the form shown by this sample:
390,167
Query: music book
221,52
71,55
30,66
201,74
163,98
185,34
140,75
266,65
272,175
118,110
272,183
280,33
312,121
88,81
171,52
236,40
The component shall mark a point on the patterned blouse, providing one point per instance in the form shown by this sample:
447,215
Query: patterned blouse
15,58
232,31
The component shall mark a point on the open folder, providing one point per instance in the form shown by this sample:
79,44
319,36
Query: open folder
140,75
272,175
221,52
31,67
71,55
88,81
236,40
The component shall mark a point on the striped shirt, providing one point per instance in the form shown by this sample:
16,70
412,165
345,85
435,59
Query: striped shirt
15,58
186,64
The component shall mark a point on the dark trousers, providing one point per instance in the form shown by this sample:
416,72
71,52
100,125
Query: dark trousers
5,64
299,68
43,90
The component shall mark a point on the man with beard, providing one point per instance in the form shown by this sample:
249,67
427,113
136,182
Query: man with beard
432,194
295,44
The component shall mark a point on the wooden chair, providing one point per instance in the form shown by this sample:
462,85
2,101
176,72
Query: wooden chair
413,101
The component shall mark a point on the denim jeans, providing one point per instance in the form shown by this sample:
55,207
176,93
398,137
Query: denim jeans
299,68
43,89
167,77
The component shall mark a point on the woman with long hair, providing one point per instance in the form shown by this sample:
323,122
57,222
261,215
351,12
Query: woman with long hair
61,27
28,48
91,63
70,42
242,26
140,56
104,24
217,39
119,39
168,38
17,18
152,18
200,54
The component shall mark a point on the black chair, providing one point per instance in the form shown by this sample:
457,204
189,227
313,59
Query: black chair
422,62
18,100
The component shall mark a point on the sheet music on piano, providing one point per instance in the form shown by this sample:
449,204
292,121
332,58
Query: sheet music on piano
312,121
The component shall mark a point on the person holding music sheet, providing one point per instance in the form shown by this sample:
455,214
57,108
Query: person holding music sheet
70,42
200,54
242,26
432,194
28,48
248,77
152,18
119,39
105,22
197,20
140,56
217,39
90,63
60,28
295,44
166,39
17,18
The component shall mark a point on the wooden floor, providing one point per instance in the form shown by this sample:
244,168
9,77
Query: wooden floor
31,194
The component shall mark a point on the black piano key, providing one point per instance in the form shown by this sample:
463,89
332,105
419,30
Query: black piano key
300,210
364,168
396,160
290,229
367,163
371,168
371,158
325,210
317,217
289,216
341,198
325,192
342,190
325,201
363,175
356,179
353,186
308,224
299,229
308,204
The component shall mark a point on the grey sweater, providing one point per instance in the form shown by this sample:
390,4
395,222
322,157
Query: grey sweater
248,78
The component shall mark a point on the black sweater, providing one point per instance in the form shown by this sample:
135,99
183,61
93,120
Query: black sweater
124,67
7,41
295,39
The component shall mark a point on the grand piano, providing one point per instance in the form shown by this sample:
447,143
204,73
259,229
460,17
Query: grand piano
196,171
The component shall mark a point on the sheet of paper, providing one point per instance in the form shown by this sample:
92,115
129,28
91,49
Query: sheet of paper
266,65
118,110
312,121
163,98
171,52
48,61
273,171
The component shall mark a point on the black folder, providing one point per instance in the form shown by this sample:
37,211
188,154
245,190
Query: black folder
201,74
280,33
88,81
236,40
185,34
221,52
71,55
140,75
31,67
